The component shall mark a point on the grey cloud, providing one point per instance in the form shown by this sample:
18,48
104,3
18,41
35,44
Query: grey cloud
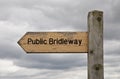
111,31
58,14
9,52
62,74
111,21
113,52
115,11
48,62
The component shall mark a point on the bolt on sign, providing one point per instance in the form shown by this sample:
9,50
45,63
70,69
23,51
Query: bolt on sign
46,42
90,42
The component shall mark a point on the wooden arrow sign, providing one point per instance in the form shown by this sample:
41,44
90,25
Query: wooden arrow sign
52,42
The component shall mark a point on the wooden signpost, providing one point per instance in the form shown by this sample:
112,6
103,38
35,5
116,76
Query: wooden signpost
90,42
54,42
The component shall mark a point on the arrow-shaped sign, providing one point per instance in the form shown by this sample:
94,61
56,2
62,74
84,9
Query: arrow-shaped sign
51,42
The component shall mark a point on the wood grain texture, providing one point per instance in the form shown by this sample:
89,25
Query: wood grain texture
65,47
95,46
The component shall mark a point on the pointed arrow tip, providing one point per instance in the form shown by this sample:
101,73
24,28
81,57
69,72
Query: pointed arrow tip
19,42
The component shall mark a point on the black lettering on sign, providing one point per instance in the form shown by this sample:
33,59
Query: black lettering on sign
52,41
29,41
75,41
36,41
64,41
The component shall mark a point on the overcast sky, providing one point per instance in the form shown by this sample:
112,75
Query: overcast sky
20,16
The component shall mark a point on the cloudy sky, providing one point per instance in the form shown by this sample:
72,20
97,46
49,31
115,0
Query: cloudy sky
20,16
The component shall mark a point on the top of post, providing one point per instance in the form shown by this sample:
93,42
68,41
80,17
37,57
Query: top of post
95,12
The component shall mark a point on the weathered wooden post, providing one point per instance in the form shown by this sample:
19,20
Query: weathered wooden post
95,46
